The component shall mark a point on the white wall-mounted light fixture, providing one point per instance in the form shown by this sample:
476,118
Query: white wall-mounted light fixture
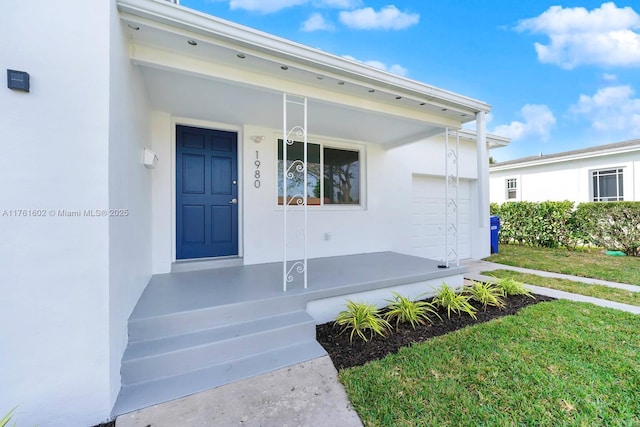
257,138
150,159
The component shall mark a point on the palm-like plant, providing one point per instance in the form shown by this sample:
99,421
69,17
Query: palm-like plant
4,421
486,294
510,287
361,317
452,301
403,310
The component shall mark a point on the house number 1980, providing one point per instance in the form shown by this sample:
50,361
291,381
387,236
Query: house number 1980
256,175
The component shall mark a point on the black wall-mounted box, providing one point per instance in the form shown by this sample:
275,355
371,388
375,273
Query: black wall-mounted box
18,80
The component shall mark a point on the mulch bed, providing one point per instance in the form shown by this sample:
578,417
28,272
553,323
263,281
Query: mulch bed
346,354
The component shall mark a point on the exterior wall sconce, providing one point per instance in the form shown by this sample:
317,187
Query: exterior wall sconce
150,159
257,138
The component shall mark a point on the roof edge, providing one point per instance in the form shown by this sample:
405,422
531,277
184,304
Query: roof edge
600,150
493,140
188,19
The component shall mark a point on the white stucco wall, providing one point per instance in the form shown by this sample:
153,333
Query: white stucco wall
54,269
382,223
75,144
129,196
565,180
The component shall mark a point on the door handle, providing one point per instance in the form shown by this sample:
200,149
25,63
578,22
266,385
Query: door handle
234,201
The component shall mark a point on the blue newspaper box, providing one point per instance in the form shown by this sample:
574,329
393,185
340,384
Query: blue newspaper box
495,228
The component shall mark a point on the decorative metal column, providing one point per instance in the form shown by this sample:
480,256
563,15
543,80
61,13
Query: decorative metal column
451,202
295,170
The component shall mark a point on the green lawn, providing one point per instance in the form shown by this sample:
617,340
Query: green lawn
555,363
578,263
597,291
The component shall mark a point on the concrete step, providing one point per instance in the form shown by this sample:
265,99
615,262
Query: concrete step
141,395
160,358
190,321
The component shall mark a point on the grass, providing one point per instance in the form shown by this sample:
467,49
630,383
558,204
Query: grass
597,291
577,263
554,364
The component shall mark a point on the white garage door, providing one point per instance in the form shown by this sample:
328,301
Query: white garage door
428,220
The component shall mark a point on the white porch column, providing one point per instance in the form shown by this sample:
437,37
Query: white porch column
482,248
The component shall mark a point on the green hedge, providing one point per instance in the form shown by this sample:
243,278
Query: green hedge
546,224
613,225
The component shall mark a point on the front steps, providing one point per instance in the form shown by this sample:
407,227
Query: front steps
196,330
223,344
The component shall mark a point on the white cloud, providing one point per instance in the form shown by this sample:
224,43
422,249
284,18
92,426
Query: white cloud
316,22
538,122
612,108
395,68
263,6
388,18
602,36
609,77
338,4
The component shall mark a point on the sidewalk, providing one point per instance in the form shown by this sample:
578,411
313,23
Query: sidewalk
476,267
307,394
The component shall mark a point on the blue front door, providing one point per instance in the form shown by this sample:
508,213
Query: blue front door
207,193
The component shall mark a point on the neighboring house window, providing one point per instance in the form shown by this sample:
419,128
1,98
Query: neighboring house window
607,185
512,188
339,169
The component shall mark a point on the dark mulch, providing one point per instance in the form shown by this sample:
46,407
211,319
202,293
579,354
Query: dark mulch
345,354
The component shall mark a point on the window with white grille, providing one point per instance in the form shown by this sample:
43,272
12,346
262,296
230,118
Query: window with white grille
607,185
512,188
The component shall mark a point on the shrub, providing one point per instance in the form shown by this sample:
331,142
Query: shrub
451,300
511,287
486,294
546,224
403,309
361,317
612,225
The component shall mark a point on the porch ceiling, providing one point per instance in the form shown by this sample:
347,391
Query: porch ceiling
224,102
198,66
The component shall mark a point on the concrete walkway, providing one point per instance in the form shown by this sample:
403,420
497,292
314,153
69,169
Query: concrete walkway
307,394
476,267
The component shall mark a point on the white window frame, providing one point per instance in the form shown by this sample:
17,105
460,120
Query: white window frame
325,142
508,188
595,189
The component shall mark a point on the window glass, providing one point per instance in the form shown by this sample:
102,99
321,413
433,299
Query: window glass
341,176
339,168
512,188
607,185
295,182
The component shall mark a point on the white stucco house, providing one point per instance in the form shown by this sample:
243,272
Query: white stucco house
145,248
596,174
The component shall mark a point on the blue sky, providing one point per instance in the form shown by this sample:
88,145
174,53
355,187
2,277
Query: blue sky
559,75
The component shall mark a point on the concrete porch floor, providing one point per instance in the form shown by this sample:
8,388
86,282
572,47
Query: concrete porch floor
327,277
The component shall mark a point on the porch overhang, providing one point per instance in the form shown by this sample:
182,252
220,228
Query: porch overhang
198,66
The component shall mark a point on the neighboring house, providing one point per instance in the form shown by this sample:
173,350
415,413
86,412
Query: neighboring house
149,143
605,173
